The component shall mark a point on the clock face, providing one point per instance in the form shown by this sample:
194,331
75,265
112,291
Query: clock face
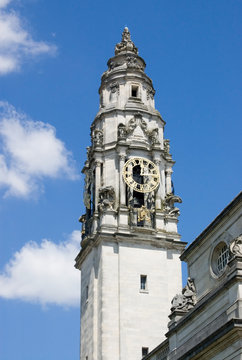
141,174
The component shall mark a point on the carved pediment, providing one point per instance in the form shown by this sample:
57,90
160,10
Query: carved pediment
137,129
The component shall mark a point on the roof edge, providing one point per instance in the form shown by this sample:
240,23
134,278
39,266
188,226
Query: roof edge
212,225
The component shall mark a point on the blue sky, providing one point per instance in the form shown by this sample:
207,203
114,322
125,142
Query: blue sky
52,55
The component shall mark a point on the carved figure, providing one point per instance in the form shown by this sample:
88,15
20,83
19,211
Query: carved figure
154,135
143,125
143,214
106,198
167,146
131,125
126,44
168,204
187,299
235,246
122,132
97,137
87,194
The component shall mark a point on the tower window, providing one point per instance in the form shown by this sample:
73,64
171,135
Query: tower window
145,351
101,173
134,91
143,282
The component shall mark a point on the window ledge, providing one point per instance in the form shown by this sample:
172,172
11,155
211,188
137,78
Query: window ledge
144,291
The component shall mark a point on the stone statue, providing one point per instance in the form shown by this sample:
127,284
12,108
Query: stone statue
143,125
167,146
122,132
126,44
143,214
168,204
97,137
154,135
187,299
106,198
131,125
87,193
235,246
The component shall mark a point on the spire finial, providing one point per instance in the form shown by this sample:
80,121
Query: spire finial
126,43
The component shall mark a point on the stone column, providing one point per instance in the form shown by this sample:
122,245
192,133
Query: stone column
122,188
98,182
158,192
168,181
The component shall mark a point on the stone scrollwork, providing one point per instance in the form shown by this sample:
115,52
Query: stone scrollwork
150,93
106,198
132,63
168,204
235,246
187,299
113,65
97,138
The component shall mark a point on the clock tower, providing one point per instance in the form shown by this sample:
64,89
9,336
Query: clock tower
129,258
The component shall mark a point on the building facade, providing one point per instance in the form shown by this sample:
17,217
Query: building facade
206,318
130,249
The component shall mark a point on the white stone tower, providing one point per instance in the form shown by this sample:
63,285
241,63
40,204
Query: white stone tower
129,258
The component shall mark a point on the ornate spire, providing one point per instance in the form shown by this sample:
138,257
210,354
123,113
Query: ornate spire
126,44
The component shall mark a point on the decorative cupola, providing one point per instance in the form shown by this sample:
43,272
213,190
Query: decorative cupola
129,166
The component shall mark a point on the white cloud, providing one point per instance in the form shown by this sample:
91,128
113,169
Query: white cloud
44,273
16,43
29,152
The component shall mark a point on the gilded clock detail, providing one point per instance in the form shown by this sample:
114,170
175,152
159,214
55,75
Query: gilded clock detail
141,174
